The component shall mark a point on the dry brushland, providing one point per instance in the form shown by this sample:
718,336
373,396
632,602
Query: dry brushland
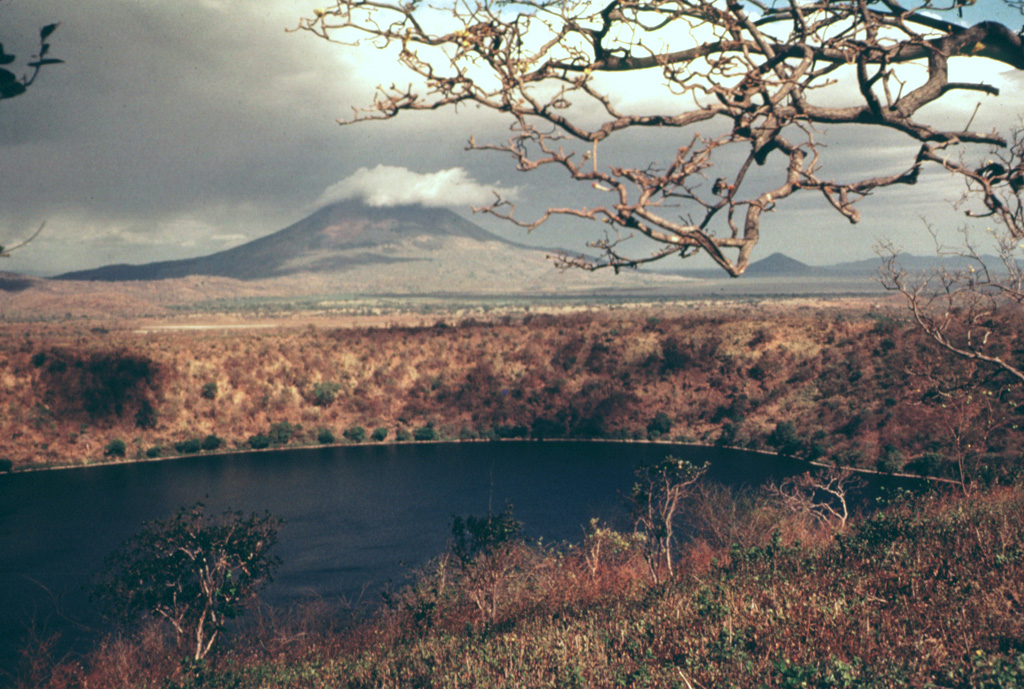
852,385
777,587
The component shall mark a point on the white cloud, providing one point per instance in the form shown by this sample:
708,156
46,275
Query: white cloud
387,185
232,238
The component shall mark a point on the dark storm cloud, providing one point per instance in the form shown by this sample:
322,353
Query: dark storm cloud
156,111
169,119
179,128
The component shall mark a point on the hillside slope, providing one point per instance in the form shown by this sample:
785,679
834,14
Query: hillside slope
334,238
844,386
357,249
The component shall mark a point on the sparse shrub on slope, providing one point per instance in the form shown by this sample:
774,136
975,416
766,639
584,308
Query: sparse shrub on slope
189,447
356,434
324,394
116,448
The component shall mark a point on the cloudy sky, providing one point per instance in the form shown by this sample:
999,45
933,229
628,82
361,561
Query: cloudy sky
181,128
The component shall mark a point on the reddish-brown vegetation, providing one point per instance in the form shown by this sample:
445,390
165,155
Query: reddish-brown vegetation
926,592
857,387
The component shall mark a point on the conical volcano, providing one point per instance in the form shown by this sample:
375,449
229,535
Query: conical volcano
335,238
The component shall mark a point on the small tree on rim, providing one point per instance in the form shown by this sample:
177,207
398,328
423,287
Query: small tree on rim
654,503
191,571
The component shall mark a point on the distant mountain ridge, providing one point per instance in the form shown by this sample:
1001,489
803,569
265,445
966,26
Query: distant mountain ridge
779,265
355,248
351,248
334,238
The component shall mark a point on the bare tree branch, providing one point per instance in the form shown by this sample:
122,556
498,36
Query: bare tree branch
825,496
766,79
970,307
6,251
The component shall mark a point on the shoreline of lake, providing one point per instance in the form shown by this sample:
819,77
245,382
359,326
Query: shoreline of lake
238,451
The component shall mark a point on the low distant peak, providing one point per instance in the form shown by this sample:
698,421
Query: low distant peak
778,263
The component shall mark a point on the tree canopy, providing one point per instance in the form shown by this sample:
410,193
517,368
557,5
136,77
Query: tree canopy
11,85
191,571
756,91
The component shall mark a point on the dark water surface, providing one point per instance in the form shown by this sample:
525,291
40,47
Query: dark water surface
356,518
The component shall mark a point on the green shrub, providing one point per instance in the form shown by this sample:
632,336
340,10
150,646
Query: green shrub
660,425
356,434
209,390
324,394
851,458
784,438
211,442
506,431
543,427
281,432
189,447
6,465
324,436
927,464
154,452
145,417
424,433
402,435
259,441
116,448
890,460
379,434
729,435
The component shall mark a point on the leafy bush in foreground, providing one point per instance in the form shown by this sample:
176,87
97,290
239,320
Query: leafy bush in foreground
192,572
